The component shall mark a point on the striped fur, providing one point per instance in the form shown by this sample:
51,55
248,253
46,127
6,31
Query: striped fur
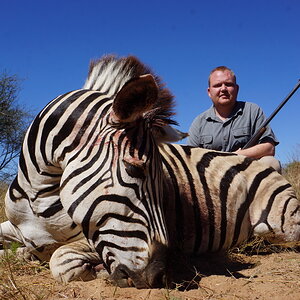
215,200
89,169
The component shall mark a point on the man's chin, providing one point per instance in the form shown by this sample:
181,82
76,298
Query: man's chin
224,98
225,101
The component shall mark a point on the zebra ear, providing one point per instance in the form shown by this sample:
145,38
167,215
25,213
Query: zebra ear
168,134
136,97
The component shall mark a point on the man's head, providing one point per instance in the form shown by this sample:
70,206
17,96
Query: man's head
222,87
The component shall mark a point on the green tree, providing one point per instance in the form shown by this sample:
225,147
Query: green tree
13,123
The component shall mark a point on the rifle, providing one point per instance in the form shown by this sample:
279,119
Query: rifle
263,127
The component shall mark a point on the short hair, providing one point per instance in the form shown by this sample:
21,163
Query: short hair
221,68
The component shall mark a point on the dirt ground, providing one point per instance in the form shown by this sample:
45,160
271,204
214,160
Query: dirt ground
270,276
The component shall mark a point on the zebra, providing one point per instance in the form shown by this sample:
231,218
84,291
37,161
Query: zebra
89,169
177,197
213,201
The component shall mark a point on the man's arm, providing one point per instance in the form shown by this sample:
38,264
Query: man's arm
193,137
258,151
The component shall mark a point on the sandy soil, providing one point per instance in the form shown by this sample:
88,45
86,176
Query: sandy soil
271,276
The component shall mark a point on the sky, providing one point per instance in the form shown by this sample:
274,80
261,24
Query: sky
49,44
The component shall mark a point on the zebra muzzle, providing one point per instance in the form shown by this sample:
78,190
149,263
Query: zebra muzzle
152,277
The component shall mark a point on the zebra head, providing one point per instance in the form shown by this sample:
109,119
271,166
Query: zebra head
113,187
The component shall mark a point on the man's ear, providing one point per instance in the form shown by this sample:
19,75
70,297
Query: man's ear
208,92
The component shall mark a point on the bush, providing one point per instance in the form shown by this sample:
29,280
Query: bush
14,121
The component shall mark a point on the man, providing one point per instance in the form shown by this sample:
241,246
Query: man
229,124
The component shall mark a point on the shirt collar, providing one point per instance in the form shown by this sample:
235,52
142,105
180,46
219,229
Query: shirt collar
211,115
237,110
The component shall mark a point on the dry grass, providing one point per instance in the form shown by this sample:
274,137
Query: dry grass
292,173
259,246
13,270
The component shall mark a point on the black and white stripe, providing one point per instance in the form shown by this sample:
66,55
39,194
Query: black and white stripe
90,169
221,199
215,200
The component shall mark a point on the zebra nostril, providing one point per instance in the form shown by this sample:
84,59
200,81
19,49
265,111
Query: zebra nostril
120,276
124,277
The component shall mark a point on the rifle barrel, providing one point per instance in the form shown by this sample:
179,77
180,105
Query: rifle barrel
263,127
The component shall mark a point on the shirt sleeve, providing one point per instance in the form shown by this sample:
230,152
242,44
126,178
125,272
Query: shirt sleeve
194,132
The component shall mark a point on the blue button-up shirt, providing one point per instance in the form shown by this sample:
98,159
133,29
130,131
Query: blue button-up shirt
210,132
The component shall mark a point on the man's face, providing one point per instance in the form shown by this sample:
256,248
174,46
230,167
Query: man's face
223,89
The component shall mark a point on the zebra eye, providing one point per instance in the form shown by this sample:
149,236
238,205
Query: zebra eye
135,170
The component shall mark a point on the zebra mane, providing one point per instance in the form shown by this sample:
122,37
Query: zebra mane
109,74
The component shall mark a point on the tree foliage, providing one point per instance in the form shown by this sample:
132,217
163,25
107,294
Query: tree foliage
13,123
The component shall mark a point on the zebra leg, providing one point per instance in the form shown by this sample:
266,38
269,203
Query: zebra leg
12,234
75,261
8,235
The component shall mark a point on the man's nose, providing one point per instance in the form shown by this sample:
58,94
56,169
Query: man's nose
223,86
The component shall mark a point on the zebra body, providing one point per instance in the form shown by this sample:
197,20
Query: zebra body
217,200
98,184
214,201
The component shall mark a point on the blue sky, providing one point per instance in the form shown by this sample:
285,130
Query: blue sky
49,45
